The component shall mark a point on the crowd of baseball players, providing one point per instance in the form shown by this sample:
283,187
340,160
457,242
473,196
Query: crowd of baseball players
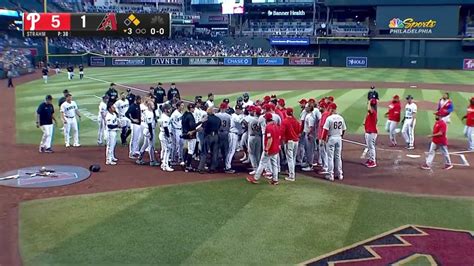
206,136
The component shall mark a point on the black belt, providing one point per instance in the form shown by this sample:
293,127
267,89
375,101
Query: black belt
70,116
177,129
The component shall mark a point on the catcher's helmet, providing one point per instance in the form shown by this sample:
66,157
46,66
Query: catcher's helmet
94,168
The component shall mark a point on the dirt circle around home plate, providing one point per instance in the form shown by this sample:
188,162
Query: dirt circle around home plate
396,171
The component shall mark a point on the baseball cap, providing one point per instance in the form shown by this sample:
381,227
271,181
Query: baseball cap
246,94
112,84
49,97
267,98
396,96
331,98
273,96
372,87
129,90
258,110
226,100
173,83
312,100
239,99
159,84
268,117
289,111
281,102
238,107
67,95
223,106
251,108
302,101
323,105
210,94
472,99
65,91
332,106
409,97
191,105
373,102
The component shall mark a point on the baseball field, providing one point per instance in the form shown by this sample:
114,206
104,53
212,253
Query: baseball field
127,214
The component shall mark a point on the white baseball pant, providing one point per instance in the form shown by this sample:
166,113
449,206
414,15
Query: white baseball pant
47,137
446,119
71,123
370,141
432,154
255,150
177,147
244,140
70,75
57,70
301,150
45,78
191,145
391,127
267,160
165,150
291,148
135,140
469,133
334,150
101,132
408,131
233,139
111,142
148,145
323,156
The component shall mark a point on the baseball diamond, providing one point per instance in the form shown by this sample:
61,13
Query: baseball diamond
238,132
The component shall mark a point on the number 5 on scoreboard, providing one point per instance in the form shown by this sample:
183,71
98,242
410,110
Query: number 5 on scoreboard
47,21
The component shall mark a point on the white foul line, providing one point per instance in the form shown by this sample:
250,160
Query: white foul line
365,145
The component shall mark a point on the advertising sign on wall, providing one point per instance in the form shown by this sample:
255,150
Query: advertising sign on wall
128,61
301,61
468,64
203,61
286,13
270,61
237,61
356,61
289,41
166,61
97,61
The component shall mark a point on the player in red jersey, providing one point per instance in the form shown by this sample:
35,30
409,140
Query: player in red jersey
291,131
271,150
370,125
469,129
393,118
438,141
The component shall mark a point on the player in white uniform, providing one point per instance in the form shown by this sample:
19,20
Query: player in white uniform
235,130
300,154
165,138
409,122
69,111
309,137
149,135
177,148
101,120
246,100
255,138
199,116
333,131
112,126
210,101
122,107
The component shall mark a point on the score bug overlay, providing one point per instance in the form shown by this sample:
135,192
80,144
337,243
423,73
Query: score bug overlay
91,24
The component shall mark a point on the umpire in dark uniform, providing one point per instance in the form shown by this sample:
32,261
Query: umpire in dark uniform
210,128
373,94
173,92
159,93
10,78
130,96
112,93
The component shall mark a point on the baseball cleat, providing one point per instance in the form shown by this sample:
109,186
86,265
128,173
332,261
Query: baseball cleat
410,147
41,150
330,178
154,164
181,164
425,167
448,166
252,173
229,171
132,157
307,169
323,172
252,180
67,145
48,150
114,159
168,169
77,145
267,173
100,143
273,182
340,177
291,179
110,163
371,164
140,162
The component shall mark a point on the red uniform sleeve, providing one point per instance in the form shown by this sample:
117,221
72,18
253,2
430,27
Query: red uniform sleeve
324,134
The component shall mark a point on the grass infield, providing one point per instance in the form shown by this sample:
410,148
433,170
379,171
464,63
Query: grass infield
352,103
221,222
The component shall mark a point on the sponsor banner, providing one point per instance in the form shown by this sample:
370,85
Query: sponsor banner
97,61
166,61
468,64
301,61
270,61
286,13
128,61
289,41
237,61
354,61
203,61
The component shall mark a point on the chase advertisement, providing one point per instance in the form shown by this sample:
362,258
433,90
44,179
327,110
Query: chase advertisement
418,21
237,61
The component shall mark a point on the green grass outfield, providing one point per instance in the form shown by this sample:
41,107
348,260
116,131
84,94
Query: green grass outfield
352,102
221,222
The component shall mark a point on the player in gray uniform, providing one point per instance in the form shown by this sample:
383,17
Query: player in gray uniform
234,132
255,138
224,129
333,131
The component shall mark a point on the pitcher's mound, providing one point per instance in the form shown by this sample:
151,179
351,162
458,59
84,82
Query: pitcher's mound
44,176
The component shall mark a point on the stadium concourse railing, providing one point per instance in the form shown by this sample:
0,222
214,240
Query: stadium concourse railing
97,60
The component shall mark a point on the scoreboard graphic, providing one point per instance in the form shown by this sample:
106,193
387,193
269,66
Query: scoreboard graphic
100,25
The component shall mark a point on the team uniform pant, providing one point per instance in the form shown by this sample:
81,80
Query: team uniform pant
45,78
432,154
268,160
233,139
300,155
125,124
165,149
446,119
469,133
71,124
210,145
191,146
57,70
291,148
111,142
177,148
408,131
135,140
101,133
70,75
310,143
148,145
244,140
391,127
10,82
323,156
81,74
334,150
370,140
47,137
200,139
223,145
255,150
